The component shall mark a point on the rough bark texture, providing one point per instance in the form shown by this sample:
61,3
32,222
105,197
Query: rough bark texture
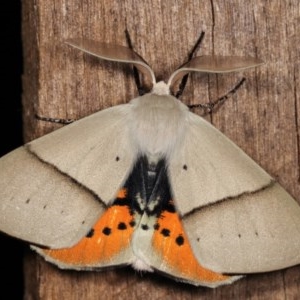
262,117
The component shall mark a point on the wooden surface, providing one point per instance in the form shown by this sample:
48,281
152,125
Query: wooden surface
262,117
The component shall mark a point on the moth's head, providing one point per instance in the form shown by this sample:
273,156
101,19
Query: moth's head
160,88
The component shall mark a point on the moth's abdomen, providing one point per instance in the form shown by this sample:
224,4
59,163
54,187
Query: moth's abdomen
157,123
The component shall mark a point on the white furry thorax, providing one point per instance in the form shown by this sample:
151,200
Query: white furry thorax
157,121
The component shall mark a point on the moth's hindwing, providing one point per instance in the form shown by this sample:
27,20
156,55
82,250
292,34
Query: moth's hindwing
160,240
108,243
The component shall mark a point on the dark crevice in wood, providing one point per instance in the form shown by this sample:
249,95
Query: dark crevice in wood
297,123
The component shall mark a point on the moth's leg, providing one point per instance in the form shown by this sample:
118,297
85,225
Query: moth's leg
208,107
190,56
136,75
55,120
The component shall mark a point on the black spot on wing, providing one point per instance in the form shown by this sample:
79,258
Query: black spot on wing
106,231
179,240
165,232
90,233
122,226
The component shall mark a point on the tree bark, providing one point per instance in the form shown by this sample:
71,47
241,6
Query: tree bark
262,117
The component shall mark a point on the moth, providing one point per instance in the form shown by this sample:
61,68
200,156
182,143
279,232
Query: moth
152,185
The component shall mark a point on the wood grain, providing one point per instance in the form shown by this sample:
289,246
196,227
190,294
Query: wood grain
262,117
